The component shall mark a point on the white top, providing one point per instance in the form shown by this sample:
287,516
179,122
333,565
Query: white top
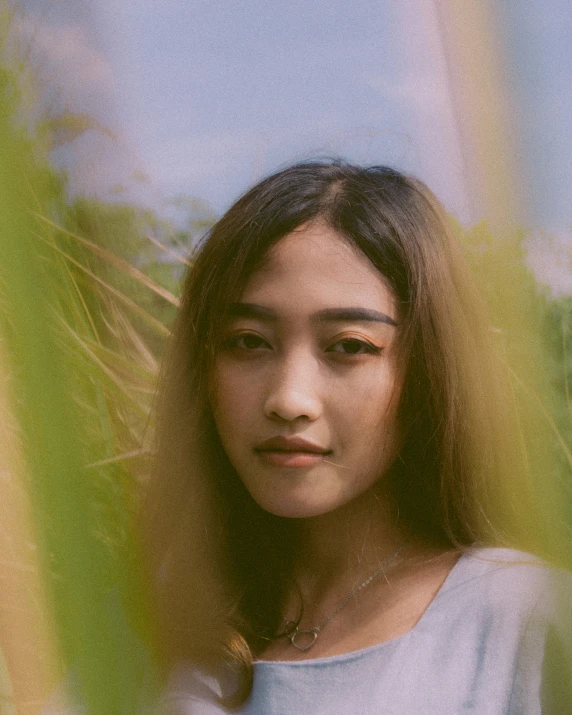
495,640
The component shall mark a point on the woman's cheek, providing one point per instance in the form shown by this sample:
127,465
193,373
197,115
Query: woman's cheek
233,402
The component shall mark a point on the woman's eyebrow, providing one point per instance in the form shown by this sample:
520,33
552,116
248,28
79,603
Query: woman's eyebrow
354,315
339,315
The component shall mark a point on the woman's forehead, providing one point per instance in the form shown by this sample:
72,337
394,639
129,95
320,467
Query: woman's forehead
315,268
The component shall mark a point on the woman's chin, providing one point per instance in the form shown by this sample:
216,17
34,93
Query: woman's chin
296,506
291,506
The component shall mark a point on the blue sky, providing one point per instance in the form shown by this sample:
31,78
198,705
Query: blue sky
219,93
206,96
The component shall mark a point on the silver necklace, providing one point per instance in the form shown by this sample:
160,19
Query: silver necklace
304,638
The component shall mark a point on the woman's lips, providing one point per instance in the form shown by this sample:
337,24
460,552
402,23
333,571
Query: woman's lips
291,452
291,459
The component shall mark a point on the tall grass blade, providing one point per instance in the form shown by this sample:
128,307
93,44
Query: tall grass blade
109,665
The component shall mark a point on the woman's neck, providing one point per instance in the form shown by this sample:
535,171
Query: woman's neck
337,554
339,550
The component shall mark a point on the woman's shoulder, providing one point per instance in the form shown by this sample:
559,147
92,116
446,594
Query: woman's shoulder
507,573
512,588
505,615
511,564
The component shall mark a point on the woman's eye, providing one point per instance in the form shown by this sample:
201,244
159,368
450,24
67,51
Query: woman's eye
246,341
353,346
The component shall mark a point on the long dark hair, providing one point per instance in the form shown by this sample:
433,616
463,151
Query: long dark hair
219,562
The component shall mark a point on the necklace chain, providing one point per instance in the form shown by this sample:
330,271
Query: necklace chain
310,635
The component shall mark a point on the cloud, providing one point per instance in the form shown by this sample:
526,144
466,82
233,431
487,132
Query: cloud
67,59
77,94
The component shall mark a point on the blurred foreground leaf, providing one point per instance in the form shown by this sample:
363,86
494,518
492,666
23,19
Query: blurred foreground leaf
65,425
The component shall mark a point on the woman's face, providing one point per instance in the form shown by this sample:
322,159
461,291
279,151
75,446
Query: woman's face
306,380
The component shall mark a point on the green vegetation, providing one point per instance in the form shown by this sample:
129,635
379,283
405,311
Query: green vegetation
532,334
86,299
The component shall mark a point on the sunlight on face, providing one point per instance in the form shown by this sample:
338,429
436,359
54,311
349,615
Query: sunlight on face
306,381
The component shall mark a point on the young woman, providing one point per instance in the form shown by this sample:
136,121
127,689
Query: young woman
333,457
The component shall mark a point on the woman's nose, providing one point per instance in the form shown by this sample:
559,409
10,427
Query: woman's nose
293,391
